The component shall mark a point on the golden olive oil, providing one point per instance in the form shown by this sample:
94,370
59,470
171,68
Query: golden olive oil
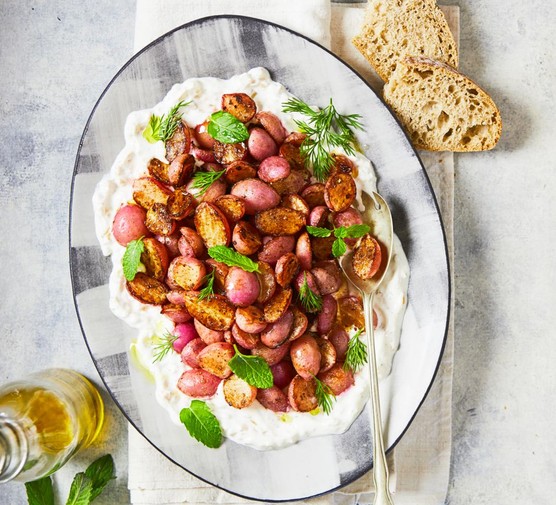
45,420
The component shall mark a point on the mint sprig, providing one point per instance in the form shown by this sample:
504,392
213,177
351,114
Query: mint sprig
86,486
354,231
132,258
252,369
339,246
232,258
226,128
202,424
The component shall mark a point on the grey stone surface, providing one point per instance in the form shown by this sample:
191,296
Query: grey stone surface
55,59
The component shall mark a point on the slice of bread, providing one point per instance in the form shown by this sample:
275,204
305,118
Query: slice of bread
394,29
441,109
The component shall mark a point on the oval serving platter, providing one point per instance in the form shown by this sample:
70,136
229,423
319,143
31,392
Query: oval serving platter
223,46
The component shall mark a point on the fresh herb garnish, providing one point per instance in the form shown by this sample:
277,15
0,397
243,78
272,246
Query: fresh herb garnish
227,128
309,299
81,490
204,180
325,129
325,396
101,472
86,486
354,231
252,369
339,246
163,346
356,354
132,258
202,424
163,127
40,492
208,290
232,258
319,232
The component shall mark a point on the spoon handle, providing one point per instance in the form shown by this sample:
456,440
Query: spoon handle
380,469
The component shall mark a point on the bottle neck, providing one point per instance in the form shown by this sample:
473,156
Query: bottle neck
14,448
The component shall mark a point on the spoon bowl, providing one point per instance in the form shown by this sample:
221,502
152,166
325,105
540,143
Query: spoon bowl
379,218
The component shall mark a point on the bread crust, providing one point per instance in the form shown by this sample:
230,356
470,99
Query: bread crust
395,29
442,109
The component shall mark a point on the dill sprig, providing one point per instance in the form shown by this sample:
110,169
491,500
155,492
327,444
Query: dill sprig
309,299
208,290
356,354
203,180
325,129
163,127
163,346
324,396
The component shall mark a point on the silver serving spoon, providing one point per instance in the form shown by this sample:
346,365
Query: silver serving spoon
379,218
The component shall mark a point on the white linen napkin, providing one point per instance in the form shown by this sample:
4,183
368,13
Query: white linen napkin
156,17
420,464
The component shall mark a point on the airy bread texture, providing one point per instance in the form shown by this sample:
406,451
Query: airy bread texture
394,29
441,109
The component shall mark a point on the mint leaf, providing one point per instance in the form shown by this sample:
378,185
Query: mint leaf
101,472
132,258
357,230
81,490
232,258
339,247
340,232
86,486
318,232
40,492
202,424
227,128
252,369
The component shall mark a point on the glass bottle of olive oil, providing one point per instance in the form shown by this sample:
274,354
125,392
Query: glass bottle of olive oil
44,420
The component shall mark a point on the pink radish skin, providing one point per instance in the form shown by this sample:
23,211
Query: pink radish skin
273,168
198,383
283,373
191,351
129,224
242,288
261,145
186,333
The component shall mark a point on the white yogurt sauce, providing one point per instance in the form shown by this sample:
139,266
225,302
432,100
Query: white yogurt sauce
254,426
